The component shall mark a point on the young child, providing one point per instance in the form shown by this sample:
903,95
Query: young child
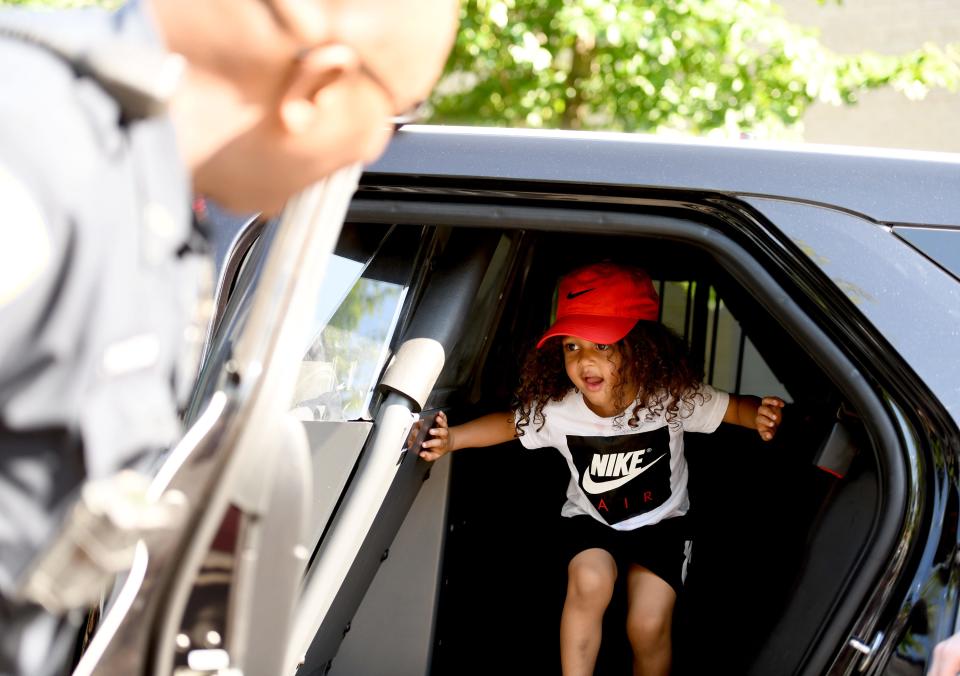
613,390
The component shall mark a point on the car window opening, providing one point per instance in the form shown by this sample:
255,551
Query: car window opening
773,534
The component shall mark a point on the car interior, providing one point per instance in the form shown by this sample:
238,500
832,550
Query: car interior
778,529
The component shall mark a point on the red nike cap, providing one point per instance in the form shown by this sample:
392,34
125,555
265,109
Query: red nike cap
602,302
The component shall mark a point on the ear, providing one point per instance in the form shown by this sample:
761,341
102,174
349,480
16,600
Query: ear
317,69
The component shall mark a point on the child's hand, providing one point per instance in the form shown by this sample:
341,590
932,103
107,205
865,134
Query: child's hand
441,442
769,417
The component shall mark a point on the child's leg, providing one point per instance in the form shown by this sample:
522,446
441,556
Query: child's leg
649,616
590,579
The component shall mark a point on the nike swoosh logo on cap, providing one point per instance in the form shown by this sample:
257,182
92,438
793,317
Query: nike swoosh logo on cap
594,487
571,295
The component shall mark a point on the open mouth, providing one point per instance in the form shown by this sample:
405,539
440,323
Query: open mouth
593,383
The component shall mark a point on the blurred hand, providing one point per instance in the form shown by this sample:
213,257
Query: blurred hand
946,658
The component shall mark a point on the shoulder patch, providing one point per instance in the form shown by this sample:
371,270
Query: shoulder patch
25,248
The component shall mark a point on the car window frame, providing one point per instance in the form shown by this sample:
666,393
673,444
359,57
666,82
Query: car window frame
730,239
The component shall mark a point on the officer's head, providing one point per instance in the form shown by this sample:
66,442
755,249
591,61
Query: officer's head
280,93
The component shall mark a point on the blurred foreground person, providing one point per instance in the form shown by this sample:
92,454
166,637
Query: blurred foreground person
109,122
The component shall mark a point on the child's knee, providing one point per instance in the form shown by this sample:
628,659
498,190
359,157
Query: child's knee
589,585
648,631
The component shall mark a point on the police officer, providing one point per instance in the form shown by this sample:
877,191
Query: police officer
109,123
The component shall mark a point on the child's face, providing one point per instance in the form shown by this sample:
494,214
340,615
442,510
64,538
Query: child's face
594,369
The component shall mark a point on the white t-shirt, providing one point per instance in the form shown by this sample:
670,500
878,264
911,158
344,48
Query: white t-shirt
623,476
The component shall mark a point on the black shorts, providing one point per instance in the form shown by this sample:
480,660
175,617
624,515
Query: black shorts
659,548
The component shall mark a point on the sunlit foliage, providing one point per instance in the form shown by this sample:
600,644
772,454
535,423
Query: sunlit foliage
697,66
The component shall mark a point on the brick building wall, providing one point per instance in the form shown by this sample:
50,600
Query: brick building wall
884,118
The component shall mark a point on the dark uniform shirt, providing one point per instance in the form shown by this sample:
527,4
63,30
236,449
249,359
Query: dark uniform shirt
97,283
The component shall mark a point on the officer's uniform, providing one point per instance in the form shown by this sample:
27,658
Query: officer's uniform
97,287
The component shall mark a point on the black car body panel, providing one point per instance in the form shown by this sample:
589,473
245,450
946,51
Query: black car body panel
833,264
886,186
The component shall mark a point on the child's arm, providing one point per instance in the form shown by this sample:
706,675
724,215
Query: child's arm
489,430
763,415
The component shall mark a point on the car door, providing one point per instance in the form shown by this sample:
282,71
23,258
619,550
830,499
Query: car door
239,478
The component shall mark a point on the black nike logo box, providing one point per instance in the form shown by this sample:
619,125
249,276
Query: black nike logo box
623,475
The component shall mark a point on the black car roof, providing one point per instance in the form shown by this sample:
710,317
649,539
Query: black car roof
889,186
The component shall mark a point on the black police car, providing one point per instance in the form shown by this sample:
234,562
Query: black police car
830,277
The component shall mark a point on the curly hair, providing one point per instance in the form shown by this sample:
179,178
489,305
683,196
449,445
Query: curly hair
654,359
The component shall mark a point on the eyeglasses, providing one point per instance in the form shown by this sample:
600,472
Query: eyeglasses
418,112
415,114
